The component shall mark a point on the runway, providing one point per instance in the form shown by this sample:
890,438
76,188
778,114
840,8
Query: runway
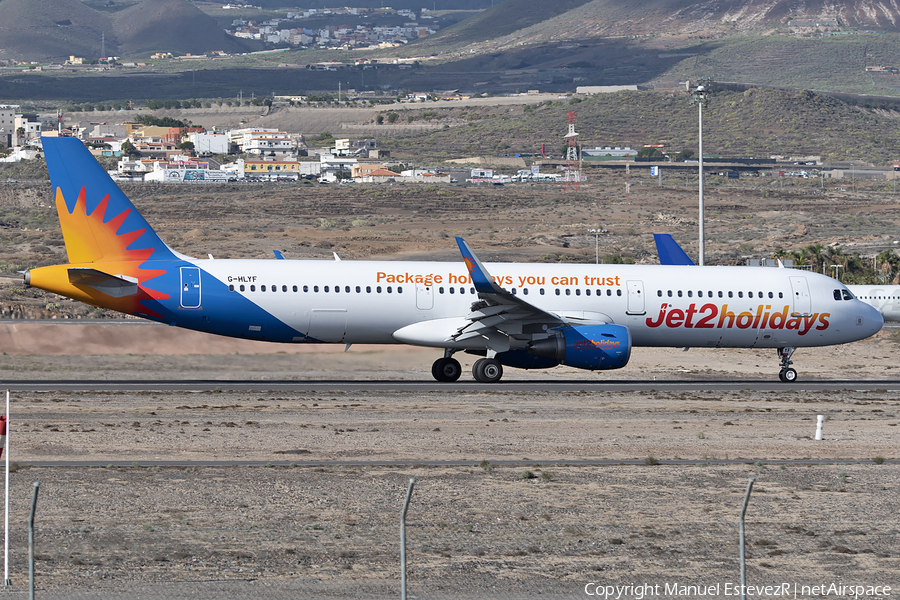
425,386
144,464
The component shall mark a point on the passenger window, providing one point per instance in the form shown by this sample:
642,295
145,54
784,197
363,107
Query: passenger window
557,291
771,295
609,292
295,288
284,288
749,294
568,292
399,290
731,294
305,288
740,294
471,290
378,289
525,291
337,289
316,288
514,291
242,287
780,295
440,290
709,294
230,288
389,289
262,288
721,295
452,290
618,292
368,289
670,293
680,293
690,294
577,292
325,289
462,290
252,288
587,292
542,291
358,290
274,288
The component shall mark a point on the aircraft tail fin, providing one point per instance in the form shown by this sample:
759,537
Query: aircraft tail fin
99,223
670,253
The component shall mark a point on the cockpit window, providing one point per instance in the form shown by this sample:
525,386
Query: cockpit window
837,294
847,295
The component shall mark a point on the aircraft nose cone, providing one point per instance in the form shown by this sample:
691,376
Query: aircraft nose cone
871,318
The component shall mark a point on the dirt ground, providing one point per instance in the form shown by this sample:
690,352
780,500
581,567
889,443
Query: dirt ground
476,529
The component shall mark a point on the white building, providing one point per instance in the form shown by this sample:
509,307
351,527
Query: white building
210,143
7,122
353,147
185,171
264,142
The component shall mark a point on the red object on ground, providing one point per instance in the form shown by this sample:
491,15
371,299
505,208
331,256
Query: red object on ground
2,434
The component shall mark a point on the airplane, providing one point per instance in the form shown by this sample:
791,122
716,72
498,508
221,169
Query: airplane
517,315
884,298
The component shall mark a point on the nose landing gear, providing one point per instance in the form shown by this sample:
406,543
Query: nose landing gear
787,374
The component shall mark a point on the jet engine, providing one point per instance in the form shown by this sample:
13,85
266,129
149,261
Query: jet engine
591,347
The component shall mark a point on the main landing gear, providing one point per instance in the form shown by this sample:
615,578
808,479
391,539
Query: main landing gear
487,370
787,374
448,369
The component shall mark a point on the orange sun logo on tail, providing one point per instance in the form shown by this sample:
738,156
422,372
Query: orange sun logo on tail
90,238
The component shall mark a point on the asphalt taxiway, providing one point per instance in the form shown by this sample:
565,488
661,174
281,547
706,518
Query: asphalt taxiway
327,385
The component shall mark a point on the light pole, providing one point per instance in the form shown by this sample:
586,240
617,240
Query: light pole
597,233
699,96
837,272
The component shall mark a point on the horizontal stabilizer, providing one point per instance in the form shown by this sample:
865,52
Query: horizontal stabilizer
670,253
116,286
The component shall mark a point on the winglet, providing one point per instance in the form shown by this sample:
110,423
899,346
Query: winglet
670,253
278,254
481,279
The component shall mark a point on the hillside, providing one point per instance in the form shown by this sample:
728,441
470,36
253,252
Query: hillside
33,30
755,123
676,19
56,29
175,26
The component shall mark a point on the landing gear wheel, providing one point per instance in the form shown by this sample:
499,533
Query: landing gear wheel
487,370
788,376
446,370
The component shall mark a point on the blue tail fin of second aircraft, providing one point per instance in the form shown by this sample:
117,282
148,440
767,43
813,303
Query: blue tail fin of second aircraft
670,253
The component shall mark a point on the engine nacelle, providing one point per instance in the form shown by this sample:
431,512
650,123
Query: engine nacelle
524,359
591,347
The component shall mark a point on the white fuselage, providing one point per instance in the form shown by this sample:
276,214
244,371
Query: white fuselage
366,302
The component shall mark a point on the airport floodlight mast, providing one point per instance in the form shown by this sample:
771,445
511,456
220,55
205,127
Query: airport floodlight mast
573,172
699,96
